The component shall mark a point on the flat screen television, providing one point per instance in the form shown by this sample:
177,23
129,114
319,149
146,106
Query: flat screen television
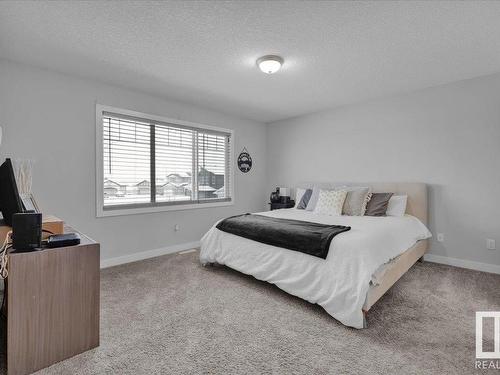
10,202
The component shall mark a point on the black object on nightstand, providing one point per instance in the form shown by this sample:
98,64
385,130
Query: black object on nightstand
277,206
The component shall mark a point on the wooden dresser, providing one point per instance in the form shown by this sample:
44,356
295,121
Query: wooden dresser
52,305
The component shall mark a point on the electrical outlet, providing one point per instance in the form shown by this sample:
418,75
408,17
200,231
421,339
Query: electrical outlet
440,237
490,244
176,227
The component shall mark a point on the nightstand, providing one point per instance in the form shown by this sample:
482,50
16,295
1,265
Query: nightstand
277,206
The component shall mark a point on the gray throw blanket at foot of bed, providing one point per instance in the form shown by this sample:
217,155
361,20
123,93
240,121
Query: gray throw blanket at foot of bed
306,237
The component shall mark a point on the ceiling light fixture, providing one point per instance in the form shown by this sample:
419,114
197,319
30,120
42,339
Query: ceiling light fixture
270,64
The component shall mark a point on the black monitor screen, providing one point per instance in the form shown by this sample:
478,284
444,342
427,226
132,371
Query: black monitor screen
10,202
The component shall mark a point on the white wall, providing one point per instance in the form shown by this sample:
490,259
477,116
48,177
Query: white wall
447,137
50,118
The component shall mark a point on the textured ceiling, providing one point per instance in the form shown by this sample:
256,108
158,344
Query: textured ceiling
204,53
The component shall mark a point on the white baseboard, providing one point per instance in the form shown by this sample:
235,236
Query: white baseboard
463,263
105,263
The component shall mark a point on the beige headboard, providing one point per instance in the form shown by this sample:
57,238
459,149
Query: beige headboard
417,193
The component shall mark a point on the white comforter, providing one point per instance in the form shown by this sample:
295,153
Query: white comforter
338,283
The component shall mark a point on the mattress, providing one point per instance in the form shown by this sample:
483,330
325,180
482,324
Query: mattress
338,283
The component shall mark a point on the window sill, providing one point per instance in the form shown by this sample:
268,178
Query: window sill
145,210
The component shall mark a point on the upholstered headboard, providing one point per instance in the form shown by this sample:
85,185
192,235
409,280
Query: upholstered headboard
417,193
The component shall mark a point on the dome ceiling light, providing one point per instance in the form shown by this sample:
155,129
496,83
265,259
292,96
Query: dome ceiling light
270,64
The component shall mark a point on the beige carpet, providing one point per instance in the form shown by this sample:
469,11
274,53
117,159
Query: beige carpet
169,315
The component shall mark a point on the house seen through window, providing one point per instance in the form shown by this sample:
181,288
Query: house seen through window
150,163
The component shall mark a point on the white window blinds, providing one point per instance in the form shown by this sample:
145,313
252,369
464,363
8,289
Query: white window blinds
153,163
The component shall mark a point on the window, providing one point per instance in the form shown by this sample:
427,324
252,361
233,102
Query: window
146,163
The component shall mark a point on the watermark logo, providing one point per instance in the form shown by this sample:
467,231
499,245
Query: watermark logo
487,359
480,315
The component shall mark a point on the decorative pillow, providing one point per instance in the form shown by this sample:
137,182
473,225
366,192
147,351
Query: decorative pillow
314,199
304,200
377,206
299,193
397,205
330,202
356,201
315,194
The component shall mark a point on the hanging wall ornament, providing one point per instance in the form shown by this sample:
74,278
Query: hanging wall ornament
244,161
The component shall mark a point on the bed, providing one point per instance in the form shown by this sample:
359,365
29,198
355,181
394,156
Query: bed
362,264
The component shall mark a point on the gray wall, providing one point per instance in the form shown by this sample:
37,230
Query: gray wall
448,137
50,118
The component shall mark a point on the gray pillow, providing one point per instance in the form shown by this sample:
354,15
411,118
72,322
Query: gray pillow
356,201
305,199
314,199
377,206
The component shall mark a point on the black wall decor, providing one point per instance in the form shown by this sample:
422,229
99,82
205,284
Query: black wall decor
244,161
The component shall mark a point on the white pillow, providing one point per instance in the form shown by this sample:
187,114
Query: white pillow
311,205
397,205
330,202
299,192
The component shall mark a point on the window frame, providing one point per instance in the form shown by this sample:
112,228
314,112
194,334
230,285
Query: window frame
141,208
